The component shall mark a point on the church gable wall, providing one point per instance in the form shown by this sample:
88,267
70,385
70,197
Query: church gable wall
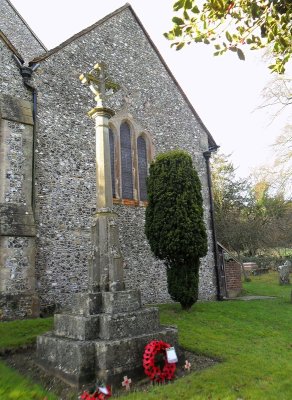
10,79
65,156
18,32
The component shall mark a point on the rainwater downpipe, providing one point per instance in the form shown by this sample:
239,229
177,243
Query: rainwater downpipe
207,156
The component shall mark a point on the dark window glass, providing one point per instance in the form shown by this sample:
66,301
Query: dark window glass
142,167
112,156
126,162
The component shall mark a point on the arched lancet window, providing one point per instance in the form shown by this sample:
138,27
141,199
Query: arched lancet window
112,157
126,161
142,167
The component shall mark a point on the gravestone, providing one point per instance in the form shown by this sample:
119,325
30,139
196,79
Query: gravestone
288,264
104,335
284,274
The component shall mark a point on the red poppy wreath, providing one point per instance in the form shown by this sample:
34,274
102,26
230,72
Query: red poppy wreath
155,362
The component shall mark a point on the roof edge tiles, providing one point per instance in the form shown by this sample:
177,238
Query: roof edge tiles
10,46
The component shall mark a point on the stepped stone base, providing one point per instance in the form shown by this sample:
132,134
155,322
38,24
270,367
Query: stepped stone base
103,337
82,362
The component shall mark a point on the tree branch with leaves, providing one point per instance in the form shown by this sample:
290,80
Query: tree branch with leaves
230,25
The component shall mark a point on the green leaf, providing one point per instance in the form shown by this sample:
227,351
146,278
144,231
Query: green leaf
283,41
240,54
177,31
178,5
233,48
169,35
276,47
186,15
271,36
188,4
195,10
254,10
228,36
180,46
178,21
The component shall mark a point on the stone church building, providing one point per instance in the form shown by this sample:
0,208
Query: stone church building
47,159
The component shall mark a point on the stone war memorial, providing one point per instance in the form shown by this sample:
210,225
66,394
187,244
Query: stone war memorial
106,331
73,191
51,215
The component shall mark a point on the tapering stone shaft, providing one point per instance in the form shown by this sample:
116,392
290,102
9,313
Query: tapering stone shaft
106,265
104,196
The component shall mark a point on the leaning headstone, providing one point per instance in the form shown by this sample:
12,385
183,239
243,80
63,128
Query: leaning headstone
104,335
284,274
288,264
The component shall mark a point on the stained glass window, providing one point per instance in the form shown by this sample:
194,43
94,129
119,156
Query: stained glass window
142,167
126,161
112,157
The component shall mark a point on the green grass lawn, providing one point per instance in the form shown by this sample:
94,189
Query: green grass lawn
13,334
252,338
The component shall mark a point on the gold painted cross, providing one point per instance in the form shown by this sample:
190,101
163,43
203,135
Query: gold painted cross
99,83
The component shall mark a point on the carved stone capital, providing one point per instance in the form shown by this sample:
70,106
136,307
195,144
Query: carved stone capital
100,111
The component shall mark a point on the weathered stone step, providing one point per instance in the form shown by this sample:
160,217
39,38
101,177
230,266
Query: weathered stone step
106,326
121,302
69,359
87,304
139,322
77,326
106,302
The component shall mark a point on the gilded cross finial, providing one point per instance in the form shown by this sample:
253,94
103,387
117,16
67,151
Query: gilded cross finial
99,83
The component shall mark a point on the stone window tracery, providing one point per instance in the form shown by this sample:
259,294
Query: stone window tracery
131,152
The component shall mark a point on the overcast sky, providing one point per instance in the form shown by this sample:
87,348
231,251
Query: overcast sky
224,90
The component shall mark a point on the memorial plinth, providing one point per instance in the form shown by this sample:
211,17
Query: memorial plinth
106,345
104,334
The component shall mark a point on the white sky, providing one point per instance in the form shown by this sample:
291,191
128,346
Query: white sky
224,90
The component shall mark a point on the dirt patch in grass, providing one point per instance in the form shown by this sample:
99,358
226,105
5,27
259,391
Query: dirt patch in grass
23,360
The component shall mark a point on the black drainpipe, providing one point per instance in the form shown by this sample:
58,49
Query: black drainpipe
26,73
207,156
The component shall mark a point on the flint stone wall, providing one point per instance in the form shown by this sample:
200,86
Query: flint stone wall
17,31
17,231
10,78
18,306
65,157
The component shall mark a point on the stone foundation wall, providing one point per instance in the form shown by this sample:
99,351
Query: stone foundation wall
17,271
18,306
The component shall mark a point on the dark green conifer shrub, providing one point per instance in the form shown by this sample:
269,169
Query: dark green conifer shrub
174,223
